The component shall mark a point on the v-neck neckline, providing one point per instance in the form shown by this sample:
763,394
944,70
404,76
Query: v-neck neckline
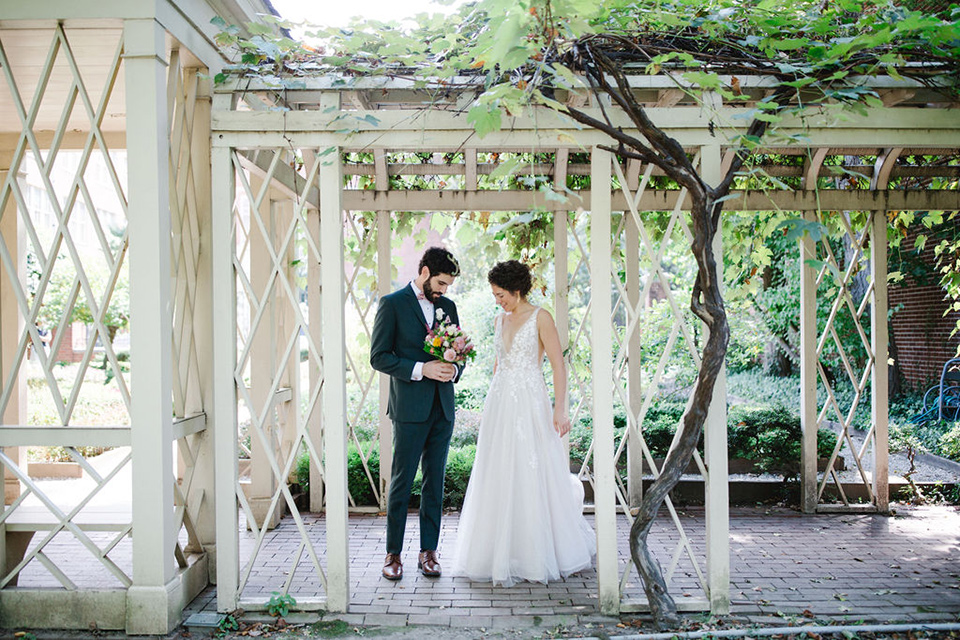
515,333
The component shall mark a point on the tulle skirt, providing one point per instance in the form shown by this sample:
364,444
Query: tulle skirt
522,515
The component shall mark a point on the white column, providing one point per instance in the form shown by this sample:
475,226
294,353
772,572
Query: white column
716,487
334,387
222,414
879,338
204,320
602,346
314,328
561,281
383,288
11,327
153,600
634,389
808,371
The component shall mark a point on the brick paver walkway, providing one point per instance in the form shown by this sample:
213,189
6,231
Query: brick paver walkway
904,567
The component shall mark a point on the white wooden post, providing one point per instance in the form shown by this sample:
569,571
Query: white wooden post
634,389
314,328
383,288
602,361
11,328
561,286
808,371
153,601
879,383
716,487
206,323
289,410
334,386
222,419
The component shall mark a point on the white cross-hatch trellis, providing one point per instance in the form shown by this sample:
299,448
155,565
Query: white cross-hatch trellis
262,358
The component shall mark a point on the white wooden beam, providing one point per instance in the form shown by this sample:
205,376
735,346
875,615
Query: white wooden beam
602,347
205,321
651,200
561,288
879,396
716,486
445,131
149,600
12,234
224,389
334,386
808,370
384,281
314,327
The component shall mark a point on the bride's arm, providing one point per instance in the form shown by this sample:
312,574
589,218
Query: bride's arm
550,339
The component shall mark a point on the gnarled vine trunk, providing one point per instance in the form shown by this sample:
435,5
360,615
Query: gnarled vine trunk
659,149
707,304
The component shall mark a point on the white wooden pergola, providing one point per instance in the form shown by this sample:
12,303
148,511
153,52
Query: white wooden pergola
247,181
323,120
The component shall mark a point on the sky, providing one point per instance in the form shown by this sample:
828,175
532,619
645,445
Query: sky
337,13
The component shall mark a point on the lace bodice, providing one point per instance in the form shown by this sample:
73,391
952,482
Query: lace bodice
524,352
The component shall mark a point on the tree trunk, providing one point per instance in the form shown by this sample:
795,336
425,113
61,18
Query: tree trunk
707,304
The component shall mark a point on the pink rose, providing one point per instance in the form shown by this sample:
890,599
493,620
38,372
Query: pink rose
449,355
460,343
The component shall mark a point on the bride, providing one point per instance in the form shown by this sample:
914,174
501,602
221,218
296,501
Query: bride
522,516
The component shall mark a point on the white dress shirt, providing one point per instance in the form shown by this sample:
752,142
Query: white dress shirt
428,314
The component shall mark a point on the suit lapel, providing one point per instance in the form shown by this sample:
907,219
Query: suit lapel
415,309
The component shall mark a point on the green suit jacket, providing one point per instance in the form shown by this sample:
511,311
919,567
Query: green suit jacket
397,345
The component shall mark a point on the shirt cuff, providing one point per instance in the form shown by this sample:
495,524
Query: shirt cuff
417,374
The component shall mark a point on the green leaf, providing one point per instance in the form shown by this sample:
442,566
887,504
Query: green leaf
505,169
484,118
703,80
797,228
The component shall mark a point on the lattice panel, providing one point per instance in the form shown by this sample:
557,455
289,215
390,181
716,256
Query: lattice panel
658,374
189,180
579,353
72,206
360,244
845,282
655,286
272,242
71,248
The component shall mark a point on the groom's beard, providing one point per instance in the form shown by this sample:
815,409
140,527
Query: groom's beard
429,293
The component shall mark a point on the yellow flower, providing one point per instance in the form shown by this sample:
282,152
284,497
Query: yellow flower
437,341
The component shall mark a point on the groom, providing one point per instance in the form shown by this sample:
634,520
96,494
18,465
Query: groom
420,404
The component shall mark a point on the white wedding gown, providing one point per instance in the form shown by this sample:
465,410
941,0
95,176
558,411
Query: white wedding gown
522,516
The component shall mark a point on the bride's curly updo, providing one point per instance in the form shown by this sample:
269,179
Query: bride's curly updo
511,275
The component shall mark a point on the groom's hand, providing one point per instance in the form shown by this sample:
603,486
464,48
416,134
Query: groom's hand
439,370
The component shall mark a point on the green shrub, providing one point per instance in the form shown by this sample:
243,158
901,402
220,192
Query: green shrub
358,484
459,466
303,469
949,444
771,437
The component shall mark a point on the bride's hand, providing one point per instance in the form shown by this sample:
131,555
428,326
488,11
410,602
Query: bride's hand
561,423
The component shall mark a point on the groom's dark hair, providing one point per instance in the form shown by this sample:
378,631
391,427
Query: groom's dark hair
439,260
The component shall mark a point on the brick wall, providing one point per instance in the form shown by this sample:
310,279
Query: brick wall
921,331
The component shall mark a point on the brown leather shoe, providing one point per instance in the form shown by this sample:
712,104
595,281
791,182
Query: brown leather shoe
392,567
429,564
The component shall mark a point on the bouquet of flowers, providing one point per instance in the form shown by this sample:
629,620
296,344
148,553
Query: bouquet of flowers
448,342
